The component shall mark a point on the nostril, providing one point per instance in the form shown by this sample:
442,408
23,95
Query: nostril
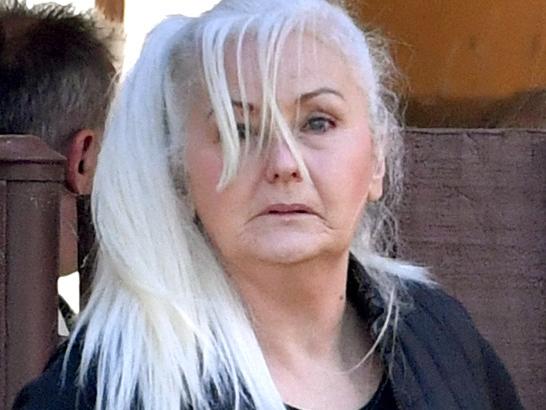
284,175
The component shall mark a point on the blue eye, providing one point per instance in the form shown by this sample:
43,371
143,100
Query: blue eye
318,125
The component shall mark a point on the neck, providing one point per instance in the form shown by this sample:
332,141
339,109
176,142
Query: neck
298,310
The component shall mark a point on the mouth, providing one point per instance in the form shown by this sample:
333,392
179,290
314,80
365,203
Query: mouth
288,209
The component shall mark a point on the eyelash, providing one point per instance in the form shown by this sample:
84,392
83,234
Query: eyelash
241,131
323,119
307,126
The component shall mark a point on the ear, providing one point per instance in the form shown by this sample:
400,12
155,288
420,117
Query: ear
81,158
376,185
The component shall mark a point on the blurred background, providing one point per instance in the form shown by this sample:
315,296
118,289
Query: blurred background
474,63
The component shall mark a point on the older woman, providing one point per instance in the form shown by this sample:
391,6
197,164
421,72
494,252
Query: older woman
244,234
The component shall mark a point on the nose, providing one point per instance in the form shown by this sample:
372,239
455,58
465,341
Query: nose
281,165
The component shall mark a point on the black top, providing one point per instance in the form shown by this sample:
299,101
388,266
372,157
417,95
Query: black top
383,398
438,360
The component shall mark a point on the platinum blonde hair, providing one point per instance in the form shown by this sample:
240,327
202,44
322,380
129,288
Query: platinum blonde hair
163,325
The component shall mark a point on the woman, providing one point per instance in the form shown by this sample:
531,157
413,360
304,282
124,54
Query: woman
244,234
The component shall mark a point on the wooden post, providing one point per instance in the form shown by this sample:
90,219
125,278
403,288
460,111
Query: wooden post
31,178
112,9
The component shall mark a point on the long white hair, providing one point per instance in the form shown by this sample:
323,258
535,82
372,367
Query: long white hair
163,326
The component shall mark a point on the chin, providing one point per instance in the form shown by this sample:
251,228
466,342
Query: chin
287,251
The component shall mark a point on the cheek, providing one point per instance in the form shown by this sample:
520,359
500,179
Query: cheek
204,167
345,171
355,175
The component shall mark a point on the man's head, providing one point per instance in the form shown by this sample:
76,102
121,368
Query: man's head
56,78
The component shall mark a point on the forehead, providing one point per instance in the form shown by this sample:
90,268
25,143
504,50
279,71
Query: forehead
305,63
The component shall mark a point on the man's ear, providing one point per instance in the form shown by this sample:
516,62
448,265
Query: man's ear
376,185
81,158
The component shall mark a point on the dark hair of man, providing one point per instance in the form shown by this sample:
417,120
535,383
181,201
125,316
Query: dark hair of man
56,72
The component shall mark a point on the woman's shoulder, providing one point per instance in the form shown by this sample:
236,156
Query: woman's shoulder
57,388
433,302
437,327
432,311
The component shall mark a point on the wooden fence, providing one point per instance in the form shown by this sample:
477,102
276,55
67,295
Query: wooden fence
475,213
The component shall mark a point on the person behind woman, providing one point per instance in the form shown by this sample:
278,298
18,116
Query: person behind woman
244,235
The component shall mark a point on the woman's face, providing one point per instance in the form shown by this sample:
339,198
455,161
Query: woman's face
270,212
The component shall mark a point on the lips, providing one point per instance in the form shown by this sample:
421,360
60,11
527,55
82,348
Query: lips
287,209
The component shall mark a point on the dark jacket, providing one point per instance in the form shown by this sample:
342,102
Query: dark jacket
438,361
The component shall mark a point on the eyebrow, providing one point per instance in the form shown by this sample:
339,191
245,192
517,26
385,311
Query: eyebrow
237,104
323,90
301,99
